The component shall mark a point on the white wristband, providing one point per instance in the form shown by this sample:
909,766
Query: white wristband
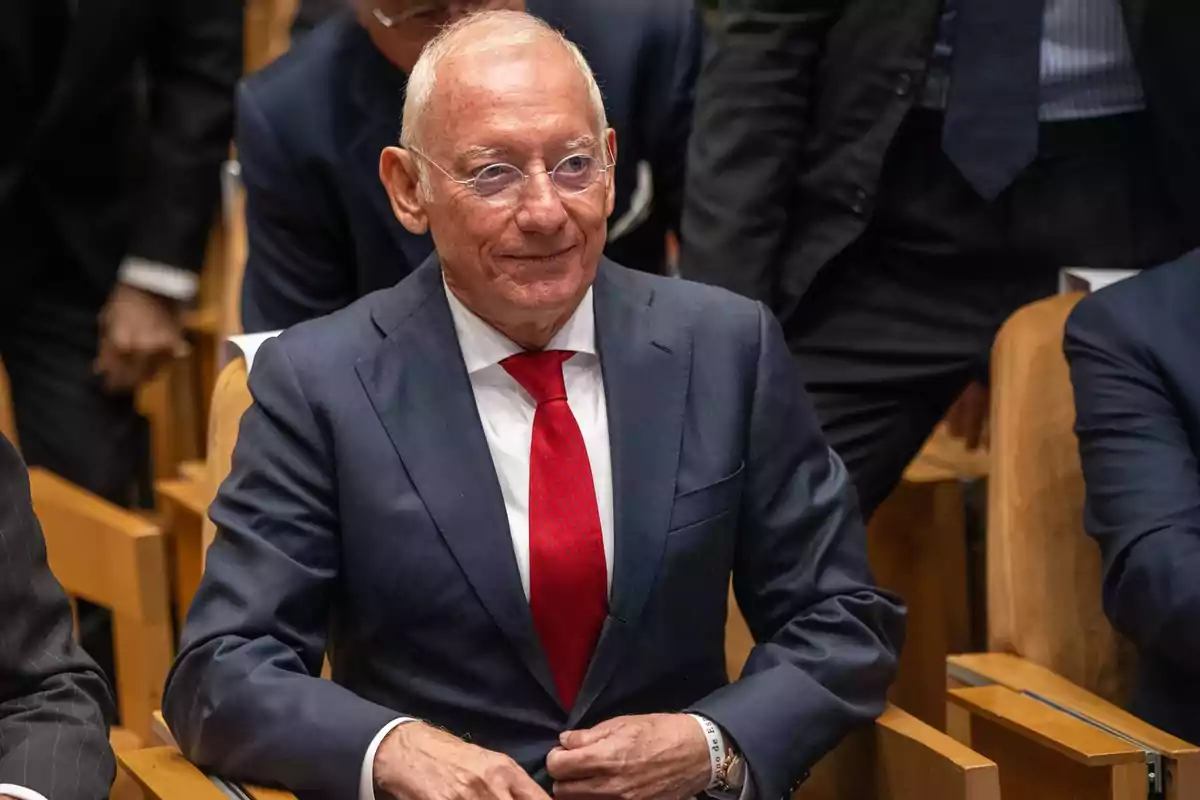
716,746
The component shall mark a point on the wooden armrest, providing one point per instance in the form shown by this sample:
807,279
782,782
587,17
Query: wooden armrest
1022,675
1047,726
166,775
194,496
916,762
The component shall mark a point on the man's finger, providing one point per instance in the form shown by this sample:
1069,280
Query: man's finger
573,740
524,787
583,762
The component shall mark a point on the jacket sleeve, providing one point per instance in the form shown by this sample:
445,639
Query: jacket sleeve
1143,484
245,697
745,154
193,62
55,704
827,638
293,272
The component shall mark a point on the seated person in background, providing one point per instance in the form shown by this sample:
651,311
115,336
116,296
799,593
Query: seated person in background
55,704
311,127
1134,350
508,494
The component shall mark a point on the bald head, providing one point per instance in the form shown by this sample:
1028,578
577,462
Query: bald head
492,41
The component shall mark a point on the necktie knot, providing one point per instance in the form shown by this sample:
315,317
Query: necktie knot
540,373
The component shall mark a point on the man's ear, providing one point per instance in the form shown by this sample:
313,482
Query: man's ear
610,182
398,171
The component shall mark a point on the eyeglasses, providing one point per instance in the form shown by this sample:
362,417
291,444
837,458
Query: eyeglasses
433,11
503,183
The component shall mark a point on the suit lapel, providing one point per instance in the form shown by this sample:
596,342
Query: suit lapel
420,389
647,365
377,94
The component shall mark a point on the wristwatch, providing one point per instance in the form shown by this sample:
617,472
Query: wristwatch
731,775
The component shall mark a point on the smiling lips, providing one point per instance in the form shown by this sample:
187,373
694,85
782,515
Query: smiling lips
537,257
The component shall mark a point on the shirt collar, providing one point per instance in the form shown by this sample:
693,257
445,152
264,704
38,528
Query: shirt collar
483,346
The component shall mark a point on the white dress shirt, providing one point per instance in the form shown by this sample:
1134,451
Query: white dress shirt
506,411
19,792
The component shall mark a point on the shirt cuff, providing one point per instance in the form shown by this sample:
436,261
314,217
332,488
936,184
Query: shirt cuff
19,792
366,783
162,279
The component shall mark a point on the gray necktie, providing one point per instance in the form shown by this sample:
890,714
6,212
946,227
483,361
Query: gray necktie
991,127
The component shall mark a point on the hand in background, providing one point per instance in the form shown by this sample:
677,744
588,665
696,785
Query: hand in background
652,757
139,332
419,762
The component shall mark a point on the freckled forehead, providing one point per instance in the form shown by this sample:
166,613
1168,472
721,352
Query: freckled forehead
520,91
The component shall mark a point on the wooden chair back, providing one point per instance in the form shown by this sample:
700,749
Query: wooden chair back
231,398
8,425
1043,571
116,559
268,31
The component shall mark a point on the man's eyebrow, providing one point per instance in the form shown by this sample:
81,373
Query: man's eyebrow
580,143
480,151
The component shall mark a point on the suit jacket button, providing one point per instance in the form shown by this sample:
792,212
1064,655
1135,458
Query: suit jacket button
903,85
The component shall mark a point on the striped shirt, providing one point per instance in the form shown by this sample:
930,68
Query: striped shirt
1087,62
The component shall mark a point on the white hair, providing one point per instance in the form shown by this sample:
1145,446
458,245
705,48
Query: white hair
480,32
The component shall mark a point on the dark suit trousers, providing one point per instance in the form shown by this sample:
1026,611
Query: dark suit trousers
893,329
66,422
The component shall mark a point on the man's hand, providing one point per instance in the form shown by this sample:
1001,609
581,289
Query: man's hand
653,757
139,332
419,762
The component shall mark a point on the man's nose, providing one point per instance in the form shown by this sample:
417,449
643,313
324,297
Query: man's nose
540,207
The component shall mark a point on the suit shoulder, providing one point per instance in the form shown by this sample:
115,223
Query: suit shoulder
703,306
287,85
317,346
1158,300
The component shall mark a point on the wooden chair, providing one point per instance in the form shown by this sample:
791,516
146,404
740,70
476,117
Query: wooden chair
1050,644
115,559
917,544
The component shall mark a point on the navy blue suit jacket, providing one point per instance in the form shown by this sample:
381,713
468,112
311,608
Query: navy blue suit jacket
311,128
363,514
1134,351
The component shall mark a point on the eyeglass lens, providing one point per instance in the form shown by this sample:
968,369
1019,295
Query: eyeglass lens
572,175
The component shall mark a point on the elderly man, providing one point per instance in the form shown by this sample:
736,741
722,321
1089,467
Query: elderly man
54,702
310,129
507,496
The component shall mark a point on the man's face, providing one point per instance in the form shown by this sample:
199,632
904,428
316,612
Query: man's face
531,255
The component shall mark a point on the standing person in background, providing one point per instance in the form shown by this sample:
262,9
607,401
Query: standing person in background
118,116
895,179
312,126
54,704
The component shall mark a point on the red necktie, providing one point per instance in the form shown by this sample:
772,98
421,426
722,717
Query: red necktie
568,580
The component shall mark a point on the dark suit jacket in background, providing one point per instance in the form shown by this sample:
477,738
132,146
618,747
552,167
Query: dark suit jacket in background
363,513
311,128
1134,350
55,706
113,149
796,110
